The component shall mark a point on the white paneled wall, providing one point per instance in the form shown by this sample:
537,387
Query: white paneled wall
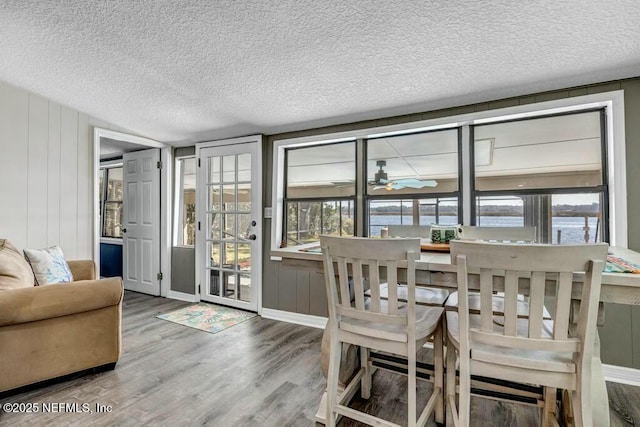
46,154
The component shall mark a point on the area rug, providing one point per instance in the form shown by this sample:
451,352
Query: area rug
207,317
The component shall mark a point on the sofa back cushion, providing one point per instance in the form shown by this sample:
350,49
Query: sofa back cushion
15,272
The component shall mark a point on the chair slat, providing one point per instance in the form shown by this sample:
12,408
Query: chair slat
536,304
486,300
563,302
510,302
358,289
392,280
374,285
343,277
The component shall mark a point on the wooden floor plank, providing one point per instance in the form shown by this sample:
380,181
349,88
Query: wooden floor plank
258,373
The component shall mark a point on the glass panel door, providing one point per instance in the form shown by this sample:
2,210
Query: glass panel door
230,225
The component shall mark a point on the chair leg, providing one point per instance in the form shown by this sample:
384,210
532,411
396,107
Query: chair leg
365,383
549,411
581,398
450,396
335,351
464,395
438,368
411,386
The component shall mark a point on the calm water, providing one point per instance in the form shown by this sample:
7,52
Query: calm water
571,227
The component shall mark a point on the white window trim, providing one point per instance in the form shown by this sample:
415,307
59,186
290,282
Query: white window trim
616,160
177,206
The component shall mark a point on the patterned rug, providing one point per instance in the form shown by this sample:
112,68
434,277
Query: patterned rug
207,317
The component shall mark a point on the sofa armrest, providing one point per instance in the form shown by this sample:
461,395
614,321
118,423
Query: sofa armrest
83,269
45,302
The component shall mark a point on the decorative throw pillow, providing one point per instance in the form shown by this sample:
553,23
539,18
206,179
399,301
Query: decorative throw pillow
14,271
49,266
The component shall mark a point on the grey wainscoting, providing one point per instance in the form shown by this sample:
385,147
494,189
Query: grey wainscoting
183,270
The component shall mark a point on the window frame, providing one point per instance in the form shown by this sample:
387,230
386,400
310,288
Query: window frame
612,102
412,196
550,191
287,199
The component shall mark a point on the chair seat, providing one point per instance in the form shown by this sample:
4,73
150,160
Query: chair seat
424,296
529,359
427,320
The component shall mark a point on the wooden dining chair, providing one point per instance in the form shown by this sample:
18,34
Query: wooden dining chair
499,234
424,295
390,325
523,347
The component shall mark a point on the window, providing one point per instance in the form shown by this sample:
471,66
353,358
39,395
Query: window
111,194
320,192
422,168
185,207
547,172
556,165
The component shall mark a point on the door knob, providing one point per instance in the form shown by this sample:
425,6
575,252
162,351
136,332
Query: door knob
253,237
124,230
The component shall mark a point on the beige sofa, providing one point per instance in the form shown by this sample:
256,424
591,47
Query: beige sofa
54,330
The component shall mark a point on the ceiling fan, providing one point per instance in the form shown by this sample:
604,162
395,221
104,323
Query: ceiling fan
381,182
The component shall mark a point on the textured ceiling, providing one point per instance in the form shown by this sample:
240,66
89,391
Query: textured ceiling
194,70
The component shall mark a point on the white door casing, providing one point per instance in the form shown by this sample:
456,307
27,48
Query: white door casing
229,215
141,240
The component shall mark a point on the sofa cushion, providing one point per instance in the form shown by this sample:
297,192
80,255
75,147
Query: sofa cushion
49,266
14,270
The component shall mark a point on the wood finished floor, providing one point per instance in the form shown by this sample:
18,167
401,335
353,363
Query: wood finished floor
258,373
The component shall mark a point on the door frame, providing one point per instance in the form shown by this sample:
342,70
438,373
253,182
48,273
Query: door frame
166,197
257,264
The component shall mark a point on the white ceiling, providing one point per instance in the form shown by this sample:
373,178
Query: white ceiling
194,70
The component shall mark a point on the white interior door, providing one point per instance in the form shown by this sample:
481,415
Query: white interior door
230,224
141,232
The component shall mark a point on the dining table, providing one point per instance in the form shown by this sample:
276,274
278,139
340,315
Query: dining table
620,285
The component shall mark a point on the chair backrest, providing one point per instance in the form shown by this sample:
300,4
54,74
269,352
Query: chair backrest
500,234
423,231
367,259
535,270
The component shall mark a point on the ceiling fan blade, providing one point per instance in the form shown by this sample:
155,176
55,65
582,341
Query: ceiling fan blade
416,183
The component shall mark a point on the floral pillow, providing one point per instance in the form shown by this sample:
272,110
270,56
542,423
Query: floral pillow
49,266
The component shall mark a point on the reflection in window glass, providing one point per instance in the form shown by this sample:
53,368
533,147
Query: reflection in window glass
321,171
414,163
443,211
551,152
186,202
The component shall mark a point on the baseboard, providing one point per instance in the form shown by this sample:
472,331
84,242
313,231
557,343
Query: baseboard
297,318
182,296
621,374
